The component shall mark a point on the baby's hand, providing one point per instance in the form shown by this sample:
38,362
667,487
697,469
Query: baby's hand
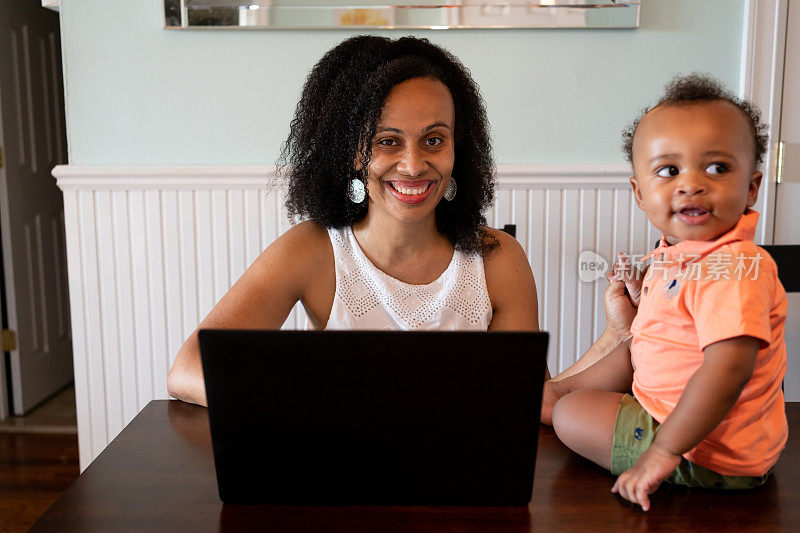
623,270
654,466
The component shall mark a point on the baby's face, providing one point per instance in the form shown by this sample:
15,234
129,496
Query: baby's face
693,169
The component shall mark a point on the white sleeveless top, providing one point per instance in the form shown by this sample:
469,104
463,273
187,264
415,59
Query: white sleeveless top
367,298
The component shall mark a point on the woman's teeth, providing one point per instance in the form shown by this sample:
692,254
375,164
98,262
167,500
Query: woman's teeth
410,191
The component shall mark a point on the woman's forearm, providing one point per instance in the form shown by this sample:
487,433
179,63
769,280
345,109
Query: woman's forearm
620,313
604,345
185,380
611,372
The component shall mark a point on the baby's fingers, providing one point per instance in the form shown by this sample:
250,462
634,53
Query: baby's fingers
621,487
641,497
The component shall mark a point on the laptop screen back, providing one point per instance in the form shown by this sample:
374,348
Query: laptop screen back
368,417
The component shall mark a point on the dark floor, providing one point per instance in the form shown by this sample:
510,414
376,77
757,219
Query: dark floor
35,468
38,459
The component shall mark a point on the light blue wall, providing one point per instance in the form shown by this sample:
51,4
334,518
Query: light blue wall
137,94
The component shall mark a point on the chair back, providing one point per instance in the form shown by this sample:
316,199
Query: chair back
787,257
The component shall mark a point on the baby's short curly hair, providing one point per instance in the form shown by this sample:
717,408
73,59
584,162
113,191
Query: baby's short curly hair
335,122
696,88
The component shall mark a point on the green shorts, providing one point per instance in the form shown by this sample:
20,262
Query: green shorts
635,430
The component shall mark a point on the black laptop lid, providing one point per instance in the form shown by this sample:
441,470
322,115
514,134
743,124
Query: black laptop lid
310,417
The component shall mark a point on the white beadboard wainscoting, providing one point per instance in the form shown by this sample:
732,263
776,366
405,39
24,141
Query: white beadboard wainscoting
151,249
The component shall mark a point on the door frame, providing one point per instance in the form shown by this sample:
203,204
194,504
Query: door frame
761,82
5,408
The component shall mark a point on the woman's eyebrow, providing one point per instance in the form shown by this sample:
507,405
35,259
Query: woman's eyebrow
436,125
425,129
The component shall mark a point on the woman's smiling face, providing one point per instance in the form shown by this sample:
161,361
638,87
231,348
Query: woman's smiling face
413,151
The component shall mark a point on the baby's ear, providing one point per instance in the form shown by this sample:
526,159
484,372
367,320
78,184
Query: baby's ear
752,190
637,191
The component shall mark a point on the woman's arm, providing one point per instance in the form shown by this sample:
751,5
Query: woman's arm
512,289
511,286
297,266
620,313
610,372
612,349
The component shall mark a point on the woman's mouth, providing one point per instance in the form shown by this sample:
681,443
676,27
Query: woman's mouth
408,191
693,215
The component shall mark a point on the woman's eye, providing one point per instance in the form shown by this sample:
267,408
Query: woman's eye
433,141
386,142
716,168
668,172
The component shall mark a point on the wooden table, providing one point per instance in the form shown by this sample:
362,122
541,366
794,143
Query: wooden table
158,475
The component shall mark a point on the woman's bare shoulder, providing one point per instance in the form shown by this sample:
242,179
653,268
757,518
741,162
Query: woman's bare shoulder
306,241
510,283
295,258
501,249
307,232
303,258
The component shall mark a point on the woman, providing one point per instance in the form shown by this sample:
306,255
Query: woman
389,161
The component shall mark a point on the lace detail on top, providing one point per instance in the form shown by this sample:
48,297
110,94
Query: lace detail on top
367,298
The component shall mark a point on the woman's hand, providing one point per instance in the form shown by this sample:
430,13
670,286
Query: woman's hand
620,312
643,478
622,270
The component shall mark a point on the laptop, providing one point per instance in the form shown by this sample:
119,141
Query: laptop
374,417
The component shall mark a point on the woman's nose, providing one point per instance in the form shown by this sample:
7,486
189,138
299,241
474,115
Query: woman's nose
412,162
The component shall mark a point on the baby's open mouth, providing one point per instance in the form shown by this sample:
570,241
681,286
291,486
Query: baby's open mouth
693,211
693,215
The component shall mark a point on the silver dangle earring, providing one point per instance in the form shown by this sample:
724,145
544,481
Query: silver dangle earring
450,192
356,191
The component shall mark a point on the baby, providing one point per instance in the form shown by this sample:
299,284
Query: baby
707,356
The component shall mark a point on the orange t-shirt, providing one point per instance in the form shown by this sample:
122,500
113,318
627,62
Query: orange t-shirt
697,293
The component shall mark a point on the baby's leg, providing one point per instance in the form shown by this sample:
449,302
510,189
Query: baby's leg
584,421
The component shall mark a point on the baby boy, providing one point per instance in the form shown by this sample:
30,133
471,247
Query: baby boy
695,397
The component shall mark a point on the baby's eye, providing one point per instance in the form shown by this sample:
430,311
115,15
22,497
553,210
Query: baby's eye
668,171
716,168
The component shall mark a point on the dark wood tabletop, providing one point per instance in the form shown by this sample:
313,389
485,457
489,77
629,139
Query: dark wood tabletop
158,475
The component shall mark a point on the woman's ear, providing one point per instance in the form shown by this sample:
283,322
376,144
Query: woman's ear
637,191
752,188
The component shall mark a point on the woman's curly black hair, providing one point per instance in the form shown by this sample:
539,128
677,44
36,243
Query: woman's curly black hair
335,122
696,88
